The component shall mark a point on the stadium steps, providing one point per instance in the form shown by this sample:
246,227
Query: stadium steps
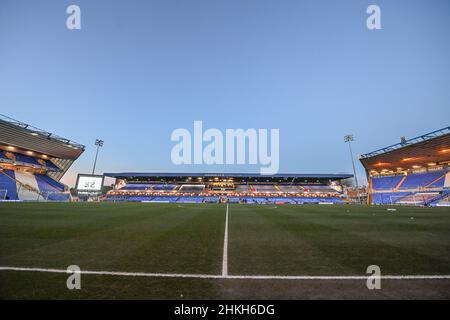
31,194
436,180
400,183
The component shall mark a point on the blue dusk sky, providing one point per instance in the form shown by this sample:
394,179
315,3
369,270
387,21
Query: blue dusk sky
137,70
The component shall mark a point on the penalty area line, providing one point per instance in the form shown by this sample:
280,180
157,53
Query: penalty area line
235,277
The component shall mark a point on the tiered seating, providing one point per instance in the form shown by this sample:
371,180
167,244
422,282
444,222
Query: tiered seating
163,187
183,192
318,188
191,188
51,189
25,160
136,186
439,183
289,189
2,155
45,181
25,186
421,180
7,183
242,188
51,165
270,188
386,183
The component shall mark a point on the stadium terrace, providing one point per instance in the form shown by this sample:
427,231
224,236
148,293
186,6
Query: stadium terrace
227,187
32,161
412,172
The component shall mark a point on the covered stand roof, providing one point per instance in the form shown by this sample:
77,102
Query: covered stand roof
24,136
427,150
21,137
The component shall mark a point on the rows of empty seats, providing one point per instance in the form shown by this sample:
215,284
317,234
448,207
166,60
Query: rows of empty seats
18,185
48,184
51,189
386,183
163,187
269,188
289,189
432,179
148,186
422,180
243,188
137,186
318,188
22,159
191,188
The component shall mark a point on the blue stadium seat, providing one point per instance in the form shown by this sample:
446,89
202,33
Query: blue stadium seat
136,186
386,183
421,180
388,197
8,184
46,183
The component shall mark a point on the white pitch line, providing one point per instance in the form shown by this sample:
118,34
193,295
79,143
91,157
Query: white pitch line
235,277
225,247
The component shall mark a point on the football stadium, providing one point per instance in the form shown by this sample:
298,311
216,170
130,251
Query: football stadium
222,235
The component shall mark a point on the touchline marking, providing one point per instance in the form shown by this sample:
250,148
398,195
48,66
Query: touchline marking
236,277
225,247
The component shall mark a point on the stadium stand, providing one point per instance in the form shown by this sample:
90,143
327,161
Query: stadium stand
422,180
413,172
32,162
164,187
137,186
386,183
238,188
289,188
264,188
191,188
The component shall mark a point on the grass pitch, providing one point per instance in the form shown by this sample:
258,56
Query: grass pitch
305,240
